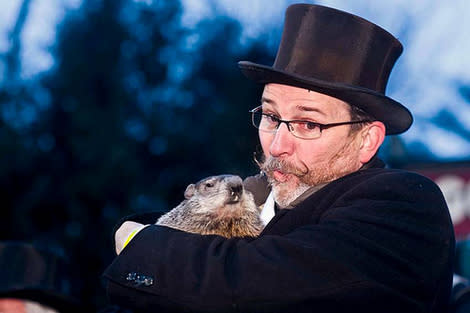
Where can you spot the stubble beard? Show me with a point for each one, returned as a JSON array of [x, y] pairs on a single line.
[[301, 178]]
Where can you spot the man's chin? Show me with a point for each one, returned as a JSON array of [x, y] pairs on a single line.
[[289, 190]]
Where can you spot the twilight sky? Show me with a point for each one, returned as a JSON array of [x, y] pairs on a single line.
[[426, 79]]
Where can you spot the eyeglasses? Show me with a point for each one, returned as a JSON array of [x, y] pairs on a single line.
[[299, 128]]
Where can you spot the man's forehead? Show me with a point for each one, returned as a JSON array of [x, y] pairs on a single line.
[[310, 107], [300, 99]]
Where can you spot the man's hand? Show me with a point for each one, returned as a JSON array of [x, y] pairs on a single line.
[[258, 186], [125, 233]]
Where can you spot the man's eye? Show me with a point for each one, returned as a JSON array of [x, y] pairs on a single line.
[[310, 125], [271, 118]]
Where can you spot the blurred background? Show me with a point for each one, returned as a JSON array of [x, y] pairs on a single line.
[[112, 107]]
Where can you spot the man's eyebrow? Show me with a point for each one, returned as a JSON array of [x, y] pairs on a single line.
[[304, 108], [300, 108], [267, 101]]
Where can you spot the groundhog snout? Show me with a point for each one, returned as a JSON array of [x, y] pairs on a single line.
[[234, 188]]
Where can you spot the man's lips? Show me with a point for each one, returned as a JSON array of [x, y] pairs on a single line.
[[280, 176]]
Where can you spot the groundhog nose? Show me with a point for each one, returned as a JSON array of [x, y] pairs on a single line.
[[235, 189], [235, 193]]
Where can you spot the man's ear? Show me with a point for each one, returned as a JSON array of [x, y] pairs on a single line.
[[372, 136], [189, 192]]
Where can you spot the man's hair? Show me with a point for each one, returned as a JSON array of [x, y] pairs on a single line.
[[35, 307], [358, 114]]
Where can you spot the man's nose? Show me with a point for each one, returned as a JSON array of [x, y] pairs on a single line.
[[283, 142]]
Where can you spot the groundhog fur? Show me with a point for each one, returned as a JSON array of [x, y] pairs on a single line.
[[217, 205]]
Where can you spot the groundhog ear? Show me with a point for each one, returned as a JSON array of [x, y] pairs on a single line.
[[189, 192]]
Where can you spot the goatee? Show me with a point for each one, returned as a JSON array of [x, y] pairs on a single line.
[[298, 179]]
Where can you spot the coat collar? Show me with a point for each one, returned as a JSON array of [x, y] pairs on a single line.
[[299, 203]]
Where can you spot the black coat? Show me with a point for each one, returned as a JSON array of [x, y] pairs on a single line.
[[377, 240]]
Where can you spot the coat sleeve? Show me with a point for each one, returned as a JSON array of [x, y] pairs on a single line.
[[370, 251]]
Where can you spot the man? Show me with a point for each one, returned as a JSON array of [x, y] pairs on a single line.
[[348, 235], [13, 305], [35, 280]]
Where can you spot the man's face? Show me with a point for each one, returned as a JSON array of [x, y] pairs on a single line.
[[12, 305], [292, 164]]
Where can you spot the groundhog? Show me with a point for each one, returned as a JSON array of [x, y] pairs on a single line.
[[217, 205]]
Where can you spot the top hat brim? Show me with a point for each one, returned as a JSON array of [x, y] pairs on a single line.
[[396, 118], [34, 273]]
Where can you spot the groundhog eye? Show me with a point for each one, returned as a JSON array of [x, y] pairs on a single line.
[[209, 185]]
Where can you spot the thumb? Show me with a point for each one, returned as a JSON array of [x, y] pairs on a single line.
[[121, 235]]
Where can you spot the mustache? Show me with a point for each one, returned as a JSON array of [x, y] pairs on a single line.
[[271, 164]]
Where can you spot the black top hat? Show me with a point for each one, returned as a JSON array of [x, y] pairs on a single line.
[[340, 55], [30, 273]]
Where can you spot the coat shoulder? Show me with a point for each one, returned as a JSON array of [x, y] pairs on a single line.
[[394, 182]]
